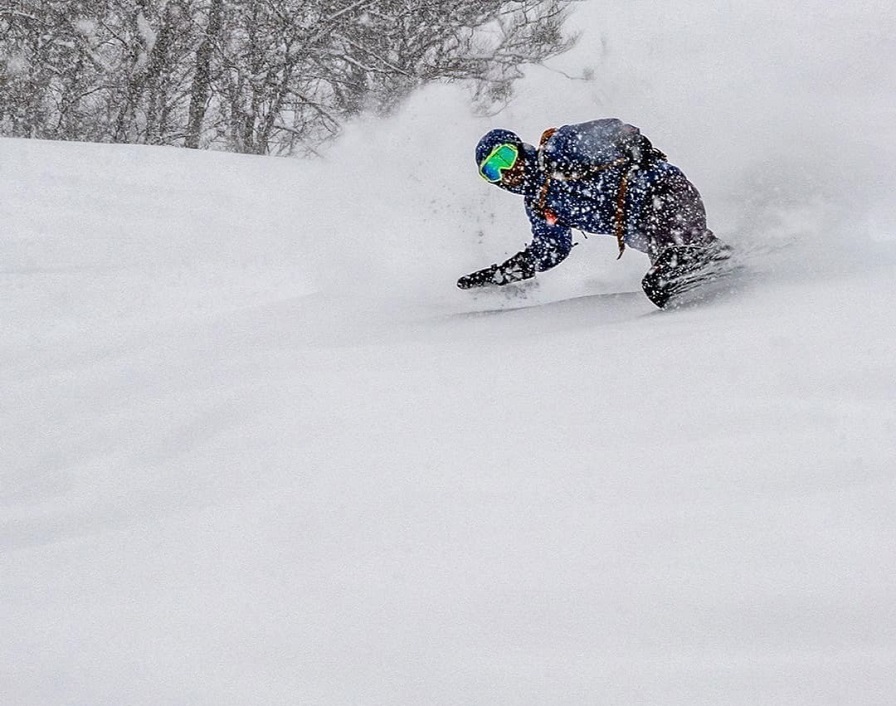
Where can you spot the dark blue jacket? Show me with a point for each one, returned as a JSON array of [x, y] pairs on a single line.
[[590, 205], [591, 177]]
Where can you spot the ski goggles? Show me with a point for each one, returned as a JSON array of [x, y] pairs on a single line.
[[499, 160]]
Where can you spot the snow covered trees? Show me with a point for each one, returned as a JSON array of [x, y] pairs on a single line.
[[262, 76]]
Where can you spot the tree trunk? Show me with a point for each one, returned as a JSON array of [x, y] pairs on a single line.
[[202, 79]]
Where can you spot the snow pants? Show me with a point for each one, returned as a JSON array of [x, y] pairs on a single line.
[[676, 216]]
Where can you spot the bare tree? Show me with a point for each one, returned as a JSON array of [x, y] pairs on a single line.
[[202, 75], [259, 76]]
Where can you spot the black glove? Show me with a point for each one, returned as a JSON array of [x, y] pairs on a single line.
[[519, 267], [480, 278]]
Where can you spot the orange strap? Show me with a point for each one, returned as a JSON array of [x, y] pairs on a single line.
[[620, 212]]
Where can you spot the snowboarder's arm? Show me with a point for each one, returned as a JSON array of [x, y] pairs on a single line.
[[551, 243], [549, 247]]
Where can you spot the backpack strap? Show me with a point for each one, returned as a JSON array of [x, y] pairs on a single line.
[[543, 192], [620, 210]]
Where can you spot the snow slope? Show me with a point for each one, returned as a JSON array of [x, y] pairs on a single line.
[[256, 448]]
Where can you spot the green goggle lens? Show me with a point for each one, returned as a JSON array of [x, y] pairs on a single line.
[[500, 159]]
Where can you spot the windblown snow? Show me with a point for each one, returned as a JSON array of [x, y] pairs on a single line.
[[256, 448]]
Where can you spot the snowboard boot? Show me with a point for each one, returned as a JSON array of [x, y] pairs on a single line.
[[680, 268]]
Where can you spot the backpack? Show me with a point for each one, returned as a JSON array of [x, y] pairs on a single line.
[[573, 152]]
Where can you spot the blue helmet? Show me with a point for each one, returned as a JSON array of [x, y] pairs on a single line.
[[493, 138], [528, 154]]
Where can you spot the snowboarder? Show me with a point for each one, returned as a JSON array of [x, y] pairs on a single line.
[[602, 177]]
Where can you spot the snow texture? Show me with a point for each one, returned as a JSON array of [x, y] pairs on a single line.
[[255, 447]]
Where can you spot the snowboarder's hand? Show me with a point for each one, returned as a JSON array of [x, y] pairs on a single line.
[[519, 267], [480, 278]]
